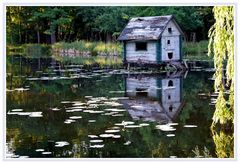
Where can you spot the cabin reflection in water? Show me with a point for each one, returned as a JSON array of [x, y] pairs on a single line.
[[154, 98]]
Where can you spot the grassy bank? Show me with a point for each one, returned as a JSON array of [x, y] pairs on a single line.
[[93, 48], [30, 50], [89, 53], [196, 51], [98, 61], [98, 53]]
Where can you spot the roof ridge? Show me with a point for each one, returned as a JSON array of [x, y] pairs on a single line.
[[153, 16]]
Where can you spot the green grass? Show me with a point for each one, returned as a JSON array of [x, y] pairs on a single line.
[[93, 47], [37, 50], [100, 61], [14, 49], [30, 50], [196, 51]]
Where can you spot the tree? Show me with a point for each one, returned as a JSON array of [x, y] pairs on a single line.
[[221, 44]]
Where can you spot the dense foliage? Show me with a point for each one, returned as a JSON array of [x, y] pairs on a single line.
[[222, 45], [48, 24]]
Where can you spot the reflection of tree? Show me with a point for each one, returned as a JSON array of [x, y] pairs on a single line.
[[224, 142], [196, 83]]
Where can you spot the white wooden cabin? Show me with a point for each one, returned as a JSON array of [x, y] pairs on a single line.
[[152, 40]]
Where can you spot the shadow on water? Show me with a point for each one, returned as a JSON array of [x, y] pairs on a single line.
[[62, 110]]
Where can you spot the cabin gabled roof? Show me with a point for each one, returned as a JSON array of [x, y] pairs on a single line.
[[146, 28]]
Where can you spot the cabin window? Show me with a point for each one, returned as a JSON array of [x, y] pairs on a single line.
[[141, 92], [168, 42], [169, 97], [170, 83], [170, 55], [170, 108], [141, 46], [169, 30]]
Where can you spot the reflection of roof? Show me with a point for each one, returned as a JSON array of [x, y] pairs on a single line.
[[145, 28], [149, 110]]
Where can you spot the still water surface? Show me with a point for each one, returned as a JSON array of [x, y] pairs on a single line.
[[63, 110]]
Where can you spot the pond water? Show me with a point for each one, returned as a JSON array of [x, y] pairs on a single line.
[[63, 110]]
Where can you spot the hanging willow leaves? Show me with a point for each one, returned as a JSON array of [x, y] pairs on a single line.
[[221, 44], [224, 143]]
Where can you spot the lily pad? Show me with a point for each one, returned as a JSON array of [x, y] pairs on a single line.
[[46, 152], [92, 136], [115, 110], [69, 121], [39, 150], [87, 97], [96, 141], [36, 114], [75, 117], [132, 126], [118, 115], [165, 128], [66, 102], [74, 110], [190, 126], [118, 98], [116, 136], [127, 143], [61, 143], [116, 91], [78, 104], [17, 110], [56, 109], [24, 113], [96, 146], [144, 124], [106, 135], [21, 89], [115, 104], [124, 123], [112, 131], [172, 124]]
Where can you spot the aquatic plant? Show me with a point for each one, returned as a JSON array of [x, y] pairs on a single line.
[[205, 152]]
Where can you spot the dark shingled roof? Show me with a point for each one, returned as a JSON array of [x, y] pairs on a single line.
[[145, 28]]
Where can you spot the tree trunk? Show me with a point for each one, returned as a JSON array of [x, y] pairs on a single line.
[[100, 38], [19, 28], [53, 37], [108, 37], [38, 35]]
